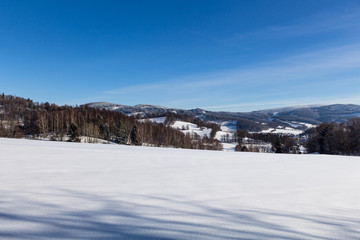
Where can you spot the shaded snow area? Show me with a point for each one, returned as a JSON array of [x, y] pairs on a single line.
[[58, 190]]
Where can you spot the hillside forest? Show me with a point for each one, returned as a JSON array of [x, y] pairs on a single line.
[[23, 118]]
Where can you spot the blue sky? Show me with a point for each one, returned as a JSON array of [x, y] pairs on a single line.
[[216, 55]]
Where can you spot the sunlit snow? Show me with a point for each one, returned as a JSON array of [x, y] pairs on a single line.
[[281, 130], [191, 128], [58, 190]]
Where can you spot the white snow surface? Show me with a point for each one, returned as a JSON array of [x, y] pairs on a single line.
[[191, 128], [58, 190], [229, 146], [286, 130], [221, 134]]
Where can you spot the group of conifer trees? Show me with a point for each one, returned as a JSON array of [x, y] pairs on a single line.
[[280, 143], [335, 138]]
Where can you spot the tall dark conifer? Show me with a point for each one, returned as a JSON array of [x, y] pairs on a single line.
[[73, 133], [134, 136]]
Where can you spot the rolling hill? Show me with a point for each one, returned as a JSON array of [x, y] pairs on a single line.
[[298, 117]]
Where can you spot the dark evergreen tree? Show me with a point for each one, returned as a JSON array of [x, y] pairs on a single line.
[[73, 133], [241, 134], [121, 134], [134, 136], [277, 145]]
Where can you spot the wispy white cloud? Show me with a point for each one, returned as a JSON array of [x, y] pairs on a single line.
[[323, 62], [270, 83], [324, 22], [304, 101], [260, 105], [271, 79]]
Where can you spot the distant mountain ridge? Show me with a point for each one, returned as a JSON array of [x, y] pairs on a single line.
[[253, 121], [145, 110]]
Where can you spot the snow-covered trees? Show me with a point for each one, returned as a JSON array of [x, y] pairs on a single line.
[[279, 143]]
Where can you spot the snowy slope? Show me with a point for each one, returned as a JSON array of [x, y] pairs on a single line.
[[227, 131], [57, 190], [283, 130], [191, 128], [311, 114], [184, 127]]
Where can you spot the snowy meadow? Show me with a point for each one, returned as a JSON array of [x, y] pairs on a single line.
[[58, 190]]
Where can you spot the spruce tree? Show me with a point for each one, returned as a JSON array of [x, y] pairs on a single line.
[[121, 134], [277, 145], [73, 133], [134, 137]]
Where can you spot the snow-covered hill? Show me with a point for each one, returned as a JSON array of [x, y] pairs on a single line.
[[57, 190], [228, 128], [295, 119]]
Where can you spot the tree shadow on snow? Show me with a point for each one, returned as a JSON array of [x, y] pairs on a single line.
[[90, 216]]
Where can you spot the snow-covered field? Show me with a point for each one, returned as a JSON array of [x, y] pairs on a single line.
[[58, 190]]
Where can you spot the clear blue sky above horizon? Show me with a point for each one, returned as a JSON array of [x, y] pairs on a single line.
[[216, 55]]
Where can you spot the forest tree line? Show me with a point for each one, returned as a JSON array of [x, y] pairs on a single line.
[[280, 143], [327, 138], [21, 117], [335, 138]]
